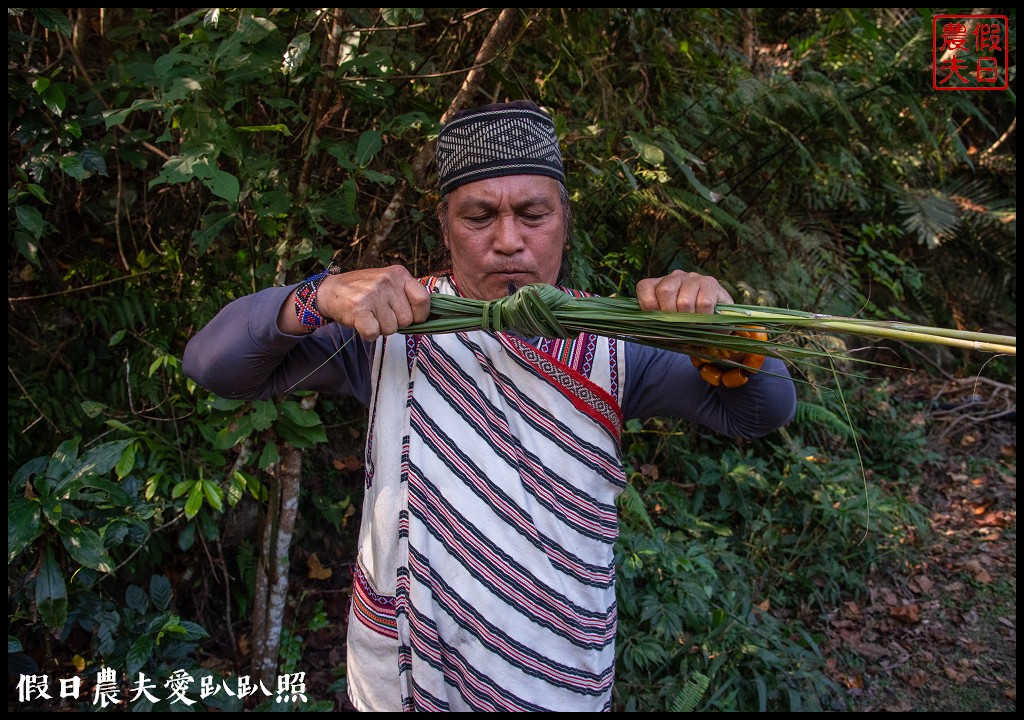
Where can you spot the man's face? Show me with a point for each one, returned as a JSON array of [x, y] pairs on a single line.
[[504, 229]]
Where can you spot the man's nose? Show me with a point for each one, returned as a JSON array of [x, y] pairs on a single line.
[[507, 236]]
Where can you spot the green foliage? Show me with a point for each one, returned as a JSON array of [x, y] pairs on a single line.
[[725, 549], [163, 162]]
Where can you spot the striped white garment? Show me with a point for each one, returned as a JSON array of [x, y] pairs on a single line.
[[485, 576]]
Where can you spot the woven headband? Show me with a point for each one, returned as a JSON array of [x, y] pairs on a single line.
[[516, 138]]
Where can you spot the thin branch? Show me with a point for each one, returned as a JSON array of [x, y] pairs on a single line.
[[79, 289], [1002, 138], [33, 402]]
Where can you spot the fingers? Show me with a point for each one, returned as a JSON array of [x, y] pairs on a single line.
[[374, 302], [681, 291]]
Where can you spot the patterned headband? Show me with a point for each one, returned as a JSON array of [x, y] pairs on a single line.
[[515, 138]]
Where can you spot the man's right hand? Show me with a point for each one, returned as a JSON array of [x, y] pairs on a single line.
[[374, 302]]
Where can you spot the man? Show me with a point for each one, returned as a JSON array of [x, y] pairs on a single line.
[[485, 574]]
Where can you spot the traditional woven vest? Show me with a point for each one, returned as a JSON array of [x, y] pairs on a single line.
[[485, 576]]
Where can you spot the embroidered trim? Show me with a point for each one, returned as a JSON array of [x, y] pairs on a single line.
[[376, 612]]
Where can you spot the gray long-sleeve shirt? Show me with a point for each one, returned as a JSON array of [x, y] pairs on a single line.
[[242, 354]]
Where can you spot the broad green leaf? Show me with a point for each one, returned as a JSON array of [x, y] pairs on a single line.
[[73, 167], [160, 592], [53, 20], [27, 246], [235, 490], [295, 53], [51, 592], [264, 413], [194, 501], [127, 462], [92, 408], [62, 459], [28, 471], [23, 525], [193, 631], [369, 144], [229, 437], [73, 128], [301, 437], [37, 192], [139, 654], [54, 99], [401, 16], [298, 415], [85, 546], [93, 163], [31, 220], [212, 227], [97, 461], [220, 403], [342, 153], [214, 495], [648, 150], [224, 185], [269, 456], [136, 598], [117, 117], [187, 537]]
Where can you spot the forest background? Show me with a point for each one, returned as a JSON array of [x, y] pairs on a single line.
[[164, 161]]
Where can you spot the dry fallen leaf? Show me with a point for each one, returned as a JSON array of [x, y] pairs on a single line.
[[980, 508], [349, 462], [316, 570], [650, 471], [917, 678], [869, 650], [921, 585], [977, 571], [959, 676], [909, 614]]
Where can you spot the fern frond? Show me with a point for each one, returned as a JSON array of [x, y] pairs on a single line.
[[821, 415], [692, 692]]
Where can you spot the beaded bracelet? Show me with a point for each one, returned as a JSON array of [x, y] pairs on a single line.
[[305, 300], [730, 376]]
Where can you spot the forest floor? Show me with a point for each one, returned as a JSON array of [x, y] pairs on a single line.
[[942, 636], [936, 637]]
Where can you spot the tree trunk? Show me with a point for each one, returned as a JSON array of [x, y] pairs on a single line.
[[271, 593]]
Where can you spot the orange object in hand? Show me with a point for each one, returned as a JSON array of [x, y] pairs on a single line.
[[731, 376]]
